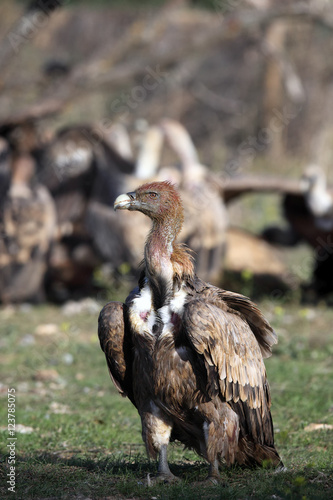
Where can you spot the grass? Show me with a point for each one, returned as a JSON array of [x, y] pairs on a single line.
[[86, 442]]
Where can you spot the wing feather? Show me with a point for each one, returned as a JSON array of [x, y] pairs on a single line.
[[243, 306], [232, 353], [228, 344], [116, 343]]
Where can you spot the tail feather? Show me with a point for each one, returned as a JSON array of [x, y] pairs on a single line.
[[253, 454]]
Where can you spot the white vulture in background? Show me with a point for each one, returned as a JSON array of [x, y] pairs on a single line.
[[310, 216], [308, 209], [317, 197]]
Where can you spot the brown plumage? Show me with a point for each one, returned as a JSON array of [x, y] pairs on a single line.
[[27, 228], [189, 355]]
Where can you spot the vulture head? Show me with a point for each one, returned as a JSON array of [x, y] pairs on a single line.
[[160, 201], [317, 197], [312, 178]]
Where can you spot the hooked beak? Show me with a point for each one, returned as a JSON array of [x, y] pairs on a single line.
[[125, 201]]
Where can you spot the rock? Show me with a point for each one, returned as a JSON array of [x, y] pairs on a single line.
[[59, 408], [318, 427], [47, 375], [47, 329], [68, 358], [27, 340], [87, 305], [23, 429]]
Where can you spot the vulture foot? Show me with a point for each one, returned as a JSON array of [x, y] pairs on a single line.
[[211, 480], [167, 478], [162, 478], [213, 474], [164, 474]]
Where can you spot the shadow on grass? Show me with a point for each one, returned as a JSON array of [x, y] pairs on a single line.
[[47, 476], [121, 465]]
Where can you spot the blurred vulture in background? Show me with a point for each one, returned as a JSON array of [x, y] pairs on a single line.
[[27, 228], [78, 166], [80, 169], [310, 216], [318, 199], [309, 213], [85, 169]]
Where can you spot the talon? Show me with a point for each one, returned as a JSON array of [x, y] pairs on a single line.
[[162, 478], [168, 478], [212, 479]]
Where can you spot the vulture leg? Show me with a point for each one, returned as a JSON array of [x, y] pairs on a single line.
[[213, 474], [156, 432], [164, 473], [221, 436]]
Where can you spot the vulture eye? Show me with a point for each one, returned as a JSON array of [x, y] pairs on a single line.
[[153, 195]]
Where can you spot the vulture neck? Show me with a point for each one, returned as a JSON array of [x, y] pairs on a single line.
[[23, 168], [166, 262]]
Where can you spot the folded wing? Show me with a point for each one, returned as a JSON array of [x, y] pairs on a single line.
[[235, 371], [116, 343]]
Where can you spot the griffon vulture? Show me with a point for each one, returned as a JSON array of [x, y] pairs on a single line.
[[27, 228], [308, 210], [318, 199], [187, 354], [310, 216]]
